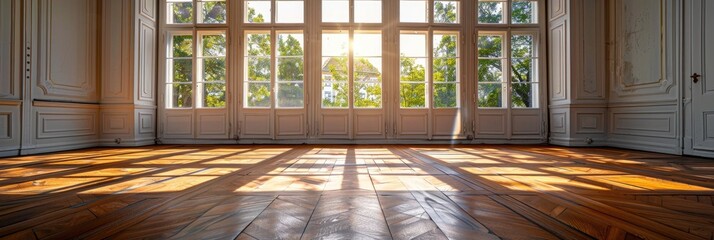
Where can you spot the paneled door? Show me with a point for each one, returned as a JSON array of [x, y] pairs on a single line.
[[699, 87]]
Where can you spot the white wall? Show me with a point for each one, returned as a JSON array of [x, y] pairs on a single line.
[[10, 76], [58, 91], [644, 67]]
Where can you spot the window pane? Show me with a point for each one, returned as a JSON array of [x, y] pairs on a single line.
[[180, 95], [368, 11], [335, 89], [491, 12], [214, 69], [335, 11], [368, 69], [258, 95], [290, 68], [413, 11], [446, 95], [257, 11], [213, 12], [290, 11], [214, 45], [335, 94], [412, 69], [524, 95], [290, 95], [522, 70], [368, 95], [258, 69], [446, 12], [445, 45], [523, 12], [522, 46], [412, 65], [290, 44], [180, 12], [181, 70], [412, 95], [182, 46], [490, 46], [490, 95], [368, 44], [335, 44], [490, 70], [446, 70], [413, 45], [214, 95], [258, 45], [290, 57]]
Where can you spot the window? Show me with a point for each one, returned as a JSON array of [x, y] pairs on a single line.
[[212, 65], [524, 81], [356, 11], [335, 78], [291, 70], [286, 11], [196, 56], [206, 12], [496, 12], [445, 65], [351, 69], [367, 70], [180, 71], [507, 68], [417, 11], [414, 74], [273, 67], [210, 70], [363, 69], [258, 69]]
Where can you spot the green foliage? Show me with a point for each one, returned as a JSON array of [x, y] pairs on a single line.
[[412, 94], [490, 71], [291, 70], [445, 12], [182, 12], [337, 69], [490, 12], [214, 12], [522, 12], [445, 70], [182, 71], [367, 84]]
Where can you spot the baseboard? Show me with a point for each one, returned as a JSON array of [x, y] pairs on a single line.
[[56, 148], [9, 153], [361, 141], [127, 142], [578, 142], [645, 146]]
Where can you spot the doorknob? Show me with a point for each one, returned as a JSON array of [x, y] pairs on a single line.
[[695, 77]]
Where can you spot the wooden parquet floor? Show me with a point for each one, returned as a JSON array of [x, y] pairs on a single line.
[[356, 192]]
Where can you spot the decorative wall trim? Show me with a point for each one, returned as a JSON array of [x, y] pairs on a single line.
[[63, 125], [146, 60], [557, 9], [64, 74]]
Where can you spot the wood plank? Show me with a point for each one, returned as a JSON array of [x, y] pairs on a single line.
[[356, 191]]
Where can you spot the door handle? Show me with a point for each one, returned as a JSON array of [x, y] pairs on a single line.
[[695, 77]]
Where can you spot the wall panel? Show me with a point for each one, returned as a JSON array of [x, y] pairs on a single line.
[[9, 45], [9, 127], [145, 68], [67, 49]]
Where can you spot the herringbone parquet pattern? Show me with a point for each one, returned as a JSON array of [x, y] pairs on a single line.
[[356, 192]]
